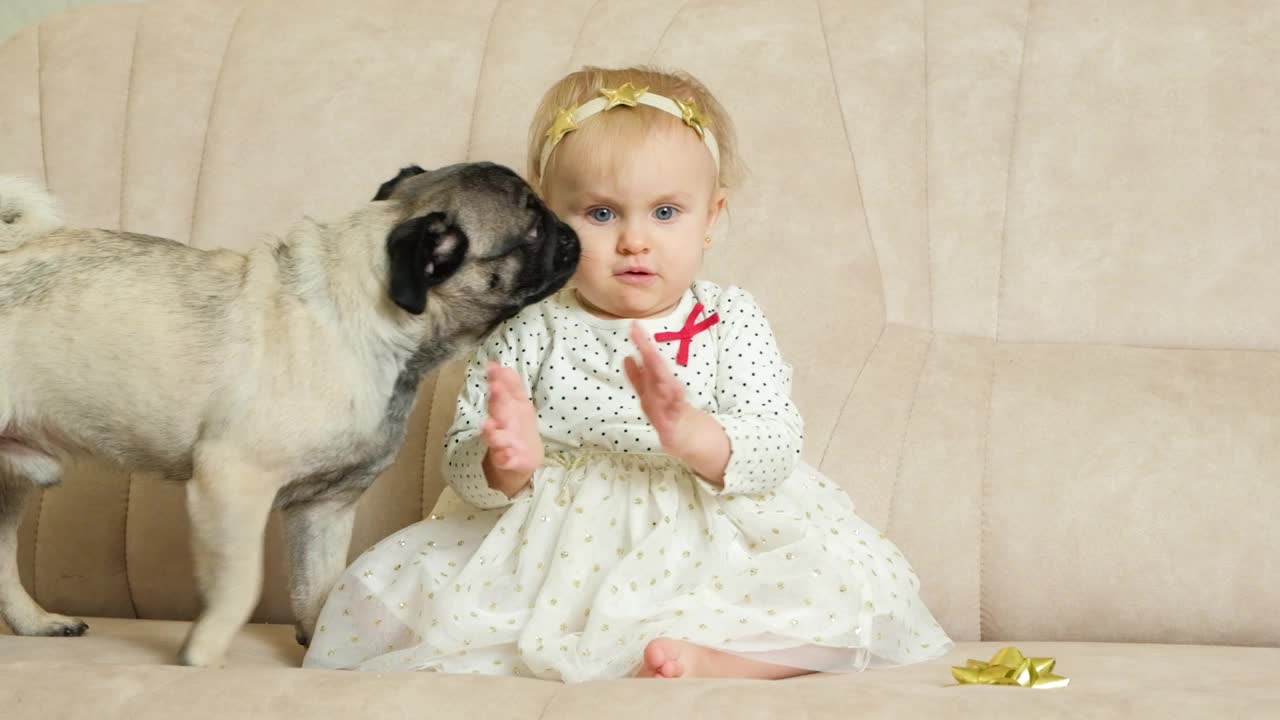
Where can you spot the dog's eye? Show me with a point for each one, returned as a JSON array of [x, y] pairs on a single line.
[[493, 281]]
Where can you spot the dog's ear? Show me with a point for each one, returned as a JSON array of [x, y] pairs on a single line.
[[388, 187], [423, 252]]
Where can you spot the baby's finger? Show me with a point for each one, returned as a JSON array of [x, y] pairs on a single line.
[[501, 459], [497, 390], [648, 354], [498, 413], [653, 360], [513, 457], [506, 401], [510, 382], [497, 375], [641, 379], [501, 439], [499, 398], [492, 373], [637, 334], [671, 389], [642, 342], [662, 370], [635, 373]]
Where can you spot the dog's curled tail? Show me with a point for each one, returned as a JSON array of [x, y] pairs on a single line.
[[27, 211]]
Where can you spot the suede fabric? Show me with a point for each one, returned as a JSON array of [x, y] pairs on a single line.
[[1022, 257], [124, 673]]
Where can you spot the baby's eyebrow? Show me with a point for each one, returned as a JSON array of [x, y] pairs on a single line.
[[592, 198], [676, 197], [589, 197]]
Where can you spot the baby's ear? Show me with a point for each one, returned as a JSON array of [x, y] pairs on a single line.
[[719, 200]]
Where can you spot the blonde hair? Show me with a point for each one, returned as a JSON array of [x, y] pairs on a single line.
[[578, 87]]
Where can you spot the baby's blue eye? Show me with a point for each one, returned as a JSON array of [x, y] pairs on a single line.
[[601, 214], [666, 212]]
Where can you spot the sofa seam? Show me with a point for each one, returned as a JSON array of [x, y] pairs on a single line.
[[984, 484], [35, 544], [44, 166], [208, 122], [128, 580], [128, 106], [853, 161], [670, 24], [44, 145], [848, 397], [426, 448], [984, 616], [866, 222], [484, 54], [555, 694], [906, 431], [582, 29], [1095, 344], [928, 203], [1008, 178], [124, 156]]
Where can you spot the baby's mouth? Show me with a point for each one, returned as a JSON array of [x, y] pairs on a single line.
[[636, 275]]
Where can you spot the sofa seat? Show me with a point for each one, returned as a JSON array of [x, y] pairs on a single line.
[[123, 669]]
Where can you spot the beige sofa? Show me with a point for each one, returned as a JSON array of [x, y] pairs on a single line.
[[1025, 258]]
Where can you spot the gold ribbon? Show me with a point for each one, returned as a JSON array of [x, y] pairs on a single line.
[[1009, 667]]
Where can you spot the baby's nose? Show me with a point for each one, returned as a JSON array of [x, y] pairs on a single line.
[[632, 240]]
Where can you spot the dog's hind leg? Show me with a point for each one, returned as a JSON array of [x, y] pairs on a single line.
[[20, 472], [228, 501], [319, 534]]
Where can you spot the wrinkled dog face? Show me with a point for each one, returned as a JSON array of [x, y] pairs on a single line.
[[476, 244]]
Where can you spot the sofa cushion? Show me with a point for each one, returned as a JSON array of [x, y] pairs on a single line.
[[117, 641], [1076, 492], [120, 670]]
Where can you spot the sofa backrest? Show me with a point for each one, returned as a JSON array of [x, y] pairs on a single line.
[[938, 180]]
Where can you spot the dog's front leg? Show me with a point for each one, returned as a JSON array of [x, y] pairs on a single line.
[[319, 534], [229, 501]]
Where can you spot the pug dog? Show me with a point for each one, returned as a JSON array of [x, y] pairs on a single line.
[[281, 378]]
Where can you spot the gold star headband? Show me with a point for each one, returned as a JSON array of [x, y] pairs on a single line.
[[571, 118]]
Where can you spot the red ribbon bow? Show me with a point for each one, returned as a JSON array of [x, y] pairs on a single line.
[[685, 334]]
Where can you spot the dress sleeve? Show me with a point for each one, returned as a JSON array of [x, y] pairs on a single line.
[[510, 346], [753, 396]]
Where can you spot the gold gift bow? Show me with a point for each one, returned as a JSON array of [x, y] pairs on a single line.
[[1009, 667]]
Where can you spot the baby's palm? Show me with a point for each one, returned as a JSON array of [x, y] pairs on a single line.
[[511, 429], [662, 395]]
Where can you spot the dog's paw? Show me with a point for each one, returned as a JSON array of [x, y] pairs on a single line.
[[202, 654], [63, 626], [190, 658]]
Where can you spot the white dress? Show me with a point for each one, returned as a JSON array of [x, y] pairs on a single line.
[[614, 543]]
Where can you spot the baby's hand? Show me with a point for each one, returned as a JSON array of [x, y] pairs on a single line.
[[662, 395], [511, 432]]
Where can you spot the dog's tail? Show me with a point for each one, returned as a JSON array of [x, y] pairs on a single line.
[[27, 211]]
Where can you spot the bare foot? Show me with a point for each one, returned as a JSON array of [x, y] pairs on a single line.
[[667, 658]]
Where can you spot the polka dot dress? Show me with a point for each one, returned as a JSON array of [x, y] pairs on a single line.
[[614, 543]]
